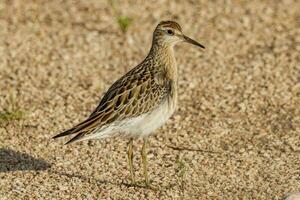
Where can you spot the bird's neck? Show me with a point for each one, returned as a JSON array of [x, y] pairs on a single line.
[[164, 56]]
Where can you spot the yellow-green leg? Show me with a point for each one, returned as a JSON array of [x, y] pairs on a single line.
[[130, 160], [144, 159]]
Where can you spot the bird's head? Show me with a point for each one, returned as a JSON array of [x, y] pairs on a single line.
[[169, 33]]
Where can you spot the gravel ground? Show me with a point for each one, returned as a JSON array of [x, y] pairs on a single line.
[[235, 134]]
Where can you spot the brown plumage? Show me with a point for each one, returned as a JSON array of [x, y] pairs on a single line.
[[128, 97], [140, 101], [170, 24]]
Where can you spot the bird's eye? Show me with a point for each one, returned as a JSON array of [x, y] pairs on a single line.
[[170, 32]]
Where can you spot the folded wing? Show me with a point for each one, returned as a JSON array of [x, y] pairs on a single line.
[[136, 93]]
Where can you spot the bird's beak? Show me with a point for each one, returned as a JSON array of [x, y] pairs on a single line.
[[191, 41]]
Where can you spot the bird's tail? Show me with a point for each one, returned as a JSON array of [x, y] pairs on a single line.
[[67, 132], [79, 134], [80, 130]]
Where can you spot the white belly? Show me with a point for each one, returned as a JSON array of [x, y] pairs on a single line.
[[145, 124], [136, 127]]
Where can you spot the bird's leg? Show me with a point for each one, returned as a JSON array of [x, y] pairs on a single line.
[[130, 160], [144, 159]]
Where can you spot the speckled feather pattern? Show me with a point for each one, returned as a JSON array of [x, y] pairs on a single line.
[[149, 88]]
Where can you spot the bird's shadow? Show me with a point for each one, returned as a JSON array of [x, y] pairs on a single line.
[[11, 161]]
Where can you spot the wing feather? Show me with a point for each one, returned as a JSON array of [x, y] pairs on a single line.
[[135, 93]]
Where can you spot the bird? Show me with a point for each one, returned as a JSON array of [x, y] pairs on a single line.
[[140, 101]]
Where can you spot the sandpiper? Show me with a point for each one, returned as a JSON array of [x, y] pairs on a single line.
[[140, 101]]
